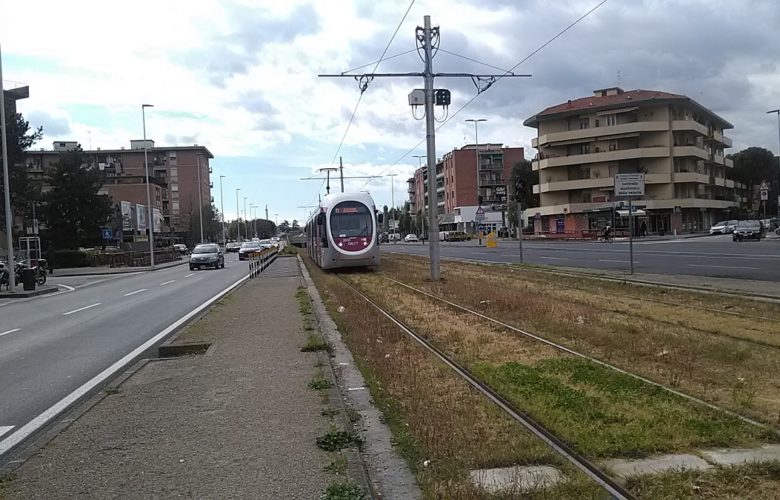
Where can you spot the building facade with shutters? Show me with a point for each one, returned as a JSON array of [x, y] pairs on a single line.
[[677, 144]]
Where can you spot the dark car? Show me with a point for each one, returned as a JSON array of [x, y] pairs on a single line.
[[248, 247], [207, 255], [747, 230]]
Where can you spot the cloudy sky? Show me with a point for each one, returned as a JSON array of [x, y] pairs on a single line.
[[240, 77]]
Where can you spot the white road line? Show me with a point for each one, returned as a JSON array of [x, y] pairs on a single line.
[[39, 421], [6, 333], [188, 275], [133, 293], [81, 309], [5, 428], [555, 258], [69, 288], [722, 267], [618, 261], [162, 284]]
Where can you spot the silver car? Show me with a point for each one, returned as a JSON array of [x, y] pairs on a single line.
[[207, 255]]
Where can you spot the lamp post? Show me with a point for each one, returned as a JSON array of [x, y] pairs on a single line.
[[777, 112], [200, 201], [246, 222], [392, 200], [238, 218], [9, 237], [150, 223], [252, 206], [222, 209], [419, 162], [476, 156]]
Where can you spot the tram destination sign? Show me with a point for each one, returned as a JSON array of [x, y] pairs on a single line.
[[629, 184]]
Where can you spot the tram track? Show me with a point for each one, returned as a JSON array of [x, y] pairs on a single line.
[[580, 355], [591, 470]]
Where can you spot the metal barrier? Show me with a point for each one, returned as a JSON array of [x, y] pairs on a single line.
[[259, 261]]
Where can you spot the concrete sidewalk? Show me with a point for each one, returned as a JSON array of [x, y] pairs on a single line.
[[237, 422]]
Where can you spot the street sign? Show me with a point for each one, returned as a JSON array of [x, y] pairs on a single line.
[[107, 234], [764, 195], [481, 228], [629, 184], [480, 215]]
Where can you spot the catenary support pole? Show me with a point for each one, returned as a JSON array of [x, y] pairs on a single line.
[[631, 234], [9, 237], [520, 230], [433, 225]]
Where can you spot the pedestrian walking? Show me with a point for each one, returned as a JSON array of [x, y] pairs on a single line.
[[643, 229]]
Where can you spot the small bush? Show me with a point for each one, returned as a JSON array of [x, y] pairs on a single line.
[[343, 491], [71, 258], [320, 385], [338, 440]]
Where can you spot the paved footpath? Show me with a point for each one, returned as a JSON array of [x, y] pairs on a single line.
[[237, 422]]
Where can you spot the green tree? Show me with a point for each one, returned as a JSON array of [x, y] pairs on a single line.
[[212, 227], [522, 176], [295, 226], [752, 166], [24, 192], [73, 211], [284, 227]]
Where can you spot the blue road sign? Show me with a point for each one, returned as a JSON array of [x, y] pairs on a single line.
[[107, 234], [481, 228]]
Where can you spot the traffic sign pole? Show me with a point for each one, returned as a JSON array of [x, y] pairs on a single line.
[[520, 230]]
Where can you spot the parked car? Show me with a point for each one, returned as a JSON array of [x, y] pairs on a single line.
[[394, 237], [207, 255], [411, 238], [248, 247], [748, 230], [458, 236], [724, 227], [267, 243], [232, 246], [181, 248]]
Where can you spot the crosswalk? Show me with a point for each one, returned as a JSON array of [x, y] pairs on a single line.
[[5, 429]]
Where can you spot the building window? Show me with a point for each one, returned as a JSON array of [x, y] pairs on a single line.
[[175, 205], [584, 123], [611, 120], [584, 149], [174, 188]]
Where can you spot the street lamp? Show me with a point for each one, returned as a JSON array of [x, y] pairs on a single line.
[[9, 236], [222, 209], [238, 218], [422, 225], [200, 201], [150, 227], [476, 156], [777, 112], [246, 221]]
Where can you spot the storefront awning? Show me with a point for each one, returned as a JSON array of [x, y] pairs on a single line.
[[638, 212]]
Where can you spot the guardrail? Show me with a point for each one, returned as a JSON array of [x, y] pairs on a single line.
[[259, 261]]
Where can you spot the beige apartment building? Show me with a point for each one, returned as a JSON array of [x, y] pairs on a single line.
[[676, 142]]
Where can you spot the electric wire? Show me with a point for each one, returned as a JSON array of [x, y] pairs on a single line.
[[381, 60], [529, 56], [506, 71]]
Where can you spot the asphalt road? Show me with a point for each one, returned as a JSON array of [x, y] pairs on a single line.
[[51, 346], [711, 256]]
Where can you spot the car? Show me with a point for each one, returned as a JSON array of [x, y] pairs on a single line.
[[748, 230], [207, 255], [181, 248], [458, 236], [411, 238], [393, 237], [720, 227], [232, 246], [248, 247]]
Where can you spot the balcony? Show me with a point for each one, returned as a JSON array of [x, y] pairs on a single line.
[[719, 138], [679, 125], [603, 157], [593, 183], [691, 177], [680, 151], [589, 133]]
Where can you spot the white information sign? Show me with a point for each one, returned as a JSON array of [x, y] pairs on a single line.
[[629, 184]]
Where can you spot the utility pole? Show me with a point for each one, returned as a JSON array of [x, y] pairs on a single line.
[[246, 222], [426, 37], [9, 237], [222, 209], [238, 218], [148, 196], [341, 173], [200, 202], [392, 200], [266, 213], [777, 112], [476, 154]]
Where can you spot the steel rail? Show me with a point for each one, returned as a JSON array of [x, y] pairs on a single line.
[[585, 356], [609, 484]]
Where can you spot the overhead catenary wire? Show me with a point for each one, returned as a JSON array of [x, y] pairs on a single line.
[[468, 103]]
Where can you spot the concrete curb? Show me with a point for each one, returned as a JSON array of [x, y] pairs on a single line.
[[27, 294], [113, 270], [387, 471]]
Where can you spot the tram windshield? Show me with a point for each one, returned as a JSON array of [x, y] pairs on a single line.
[[349, 219]]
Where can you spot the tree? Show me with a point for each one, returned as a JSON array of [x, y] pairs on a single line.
[[284, 227], [523, 177], [24, 192], [73, 211], [295, 226], [752, 166], [212, 227]]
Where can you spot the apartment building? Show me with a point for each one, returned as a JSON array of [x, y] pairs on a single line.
[[457, 179], [676, 142], [174, 178]]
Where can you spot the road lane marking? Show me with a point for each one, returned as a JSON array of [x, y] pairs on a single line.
[[81, 309], [69, 288], [722, 267], [618, 261], [163, 284], [33, 425], [555, 258], [188, 275], [4, 429], [9, 331], [133, 293]]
